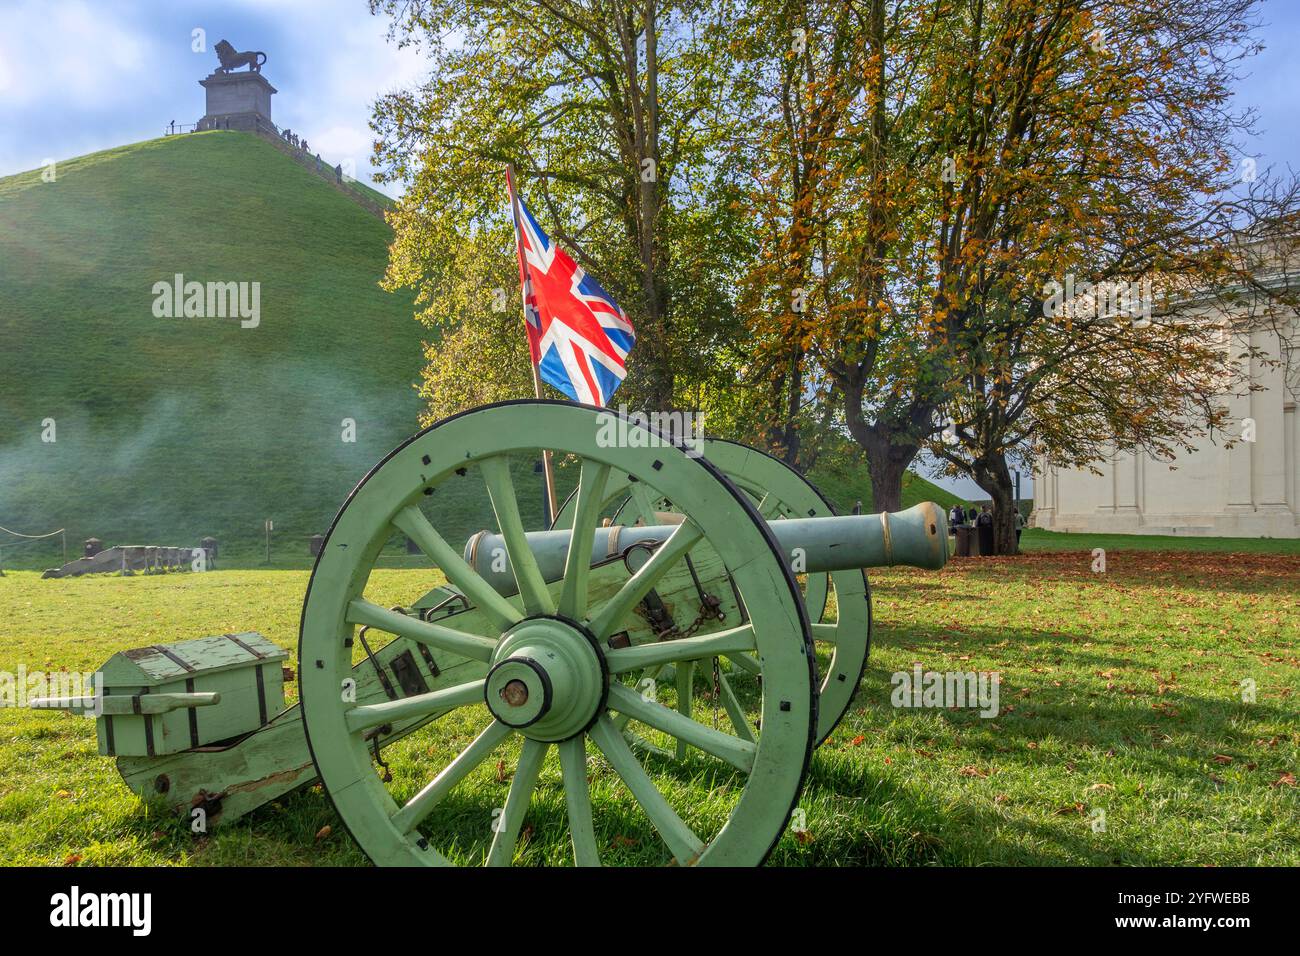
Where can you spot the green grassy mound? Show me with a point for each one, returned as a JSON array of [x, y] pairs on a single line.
[[171, 428]]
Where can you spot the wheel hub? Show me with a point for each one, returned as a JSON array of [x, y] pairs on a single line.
[[548, 679]]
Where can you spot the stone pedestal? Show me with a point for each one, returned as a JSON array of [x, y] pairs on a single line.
[[237, 101]]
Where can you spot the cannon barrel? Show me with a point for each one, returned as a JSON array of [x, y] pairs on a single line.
[[916, 537]]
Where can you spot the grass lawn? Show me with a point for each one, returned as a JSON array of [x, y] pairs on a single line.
[[1120, 696], [1035, 539]]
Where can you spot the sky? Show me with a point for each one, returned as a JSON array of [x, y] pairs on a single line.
[[78, 76]]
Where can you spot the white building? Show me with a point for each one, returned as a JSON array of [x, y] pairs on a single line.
[[1250, 490]]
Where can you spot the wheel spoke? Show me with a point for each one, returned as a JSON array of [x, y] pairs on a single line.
[[735, 712], [739, 753], [421, 705], [623, 659], [412, 522], [825, 632], [502, 852], [611, 614], [643, 503], [361, 611], [747, 662], [577, 565], [501, 489], [422, 804], [651, 674], [684, 675], [684, 845], [577, 795]]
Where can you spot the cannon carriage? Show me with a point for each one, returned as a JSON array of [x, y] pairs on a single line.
[[685, 617]]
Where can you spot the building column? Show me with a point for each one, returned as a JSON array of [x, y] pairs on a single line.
[[1291, 425], [1126, 483], [1140, 482], [1270, 447], [1043, 513], [1239, 494]]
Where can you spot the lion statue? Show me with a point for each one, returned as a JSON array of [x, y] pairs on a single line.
[[233, 60]]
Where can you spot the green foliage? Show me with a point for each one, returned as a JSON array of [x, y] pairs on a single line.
[[618, 153], [170, 429]]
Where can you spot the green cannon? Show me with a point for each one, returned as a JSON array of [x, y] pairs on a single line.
[[722, 583]]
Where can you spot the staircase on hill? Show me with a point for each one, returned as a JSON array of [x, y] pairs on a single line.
[[267, 130], [331, 174], [275, 136]]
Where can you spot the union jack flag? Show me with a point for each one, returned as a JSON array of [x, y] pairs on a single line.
[[578, 336]]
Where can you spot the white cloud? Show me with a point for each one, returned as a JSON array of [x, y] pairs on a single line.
[[65, 51], [80, 75], [342, 143]]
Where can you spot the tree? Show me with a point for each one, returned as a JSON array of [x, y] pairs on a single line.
[[1095, 147], [838, 303], [612, 115], [937, 165]]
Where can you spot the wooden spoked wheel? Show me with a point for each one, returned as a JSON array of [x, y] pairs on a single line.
[[554, 674], [778, 492]]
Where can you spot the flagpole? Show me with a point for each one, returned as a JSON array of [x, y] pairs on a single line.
[[549, 500]]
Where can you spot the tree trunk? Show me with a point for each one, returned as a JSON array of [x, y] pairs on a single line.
[[886, 466], [887, 457], [994, 476]]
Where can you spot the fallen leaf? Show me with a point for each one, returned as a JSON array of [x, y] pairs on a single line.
[[323, 832], [1286, 780], [1222, 758], [972, 772], [72, 859], [1098, 786]]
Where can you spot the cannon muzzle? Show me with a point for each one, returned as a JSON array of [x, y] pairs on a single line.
[[916, 537]]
